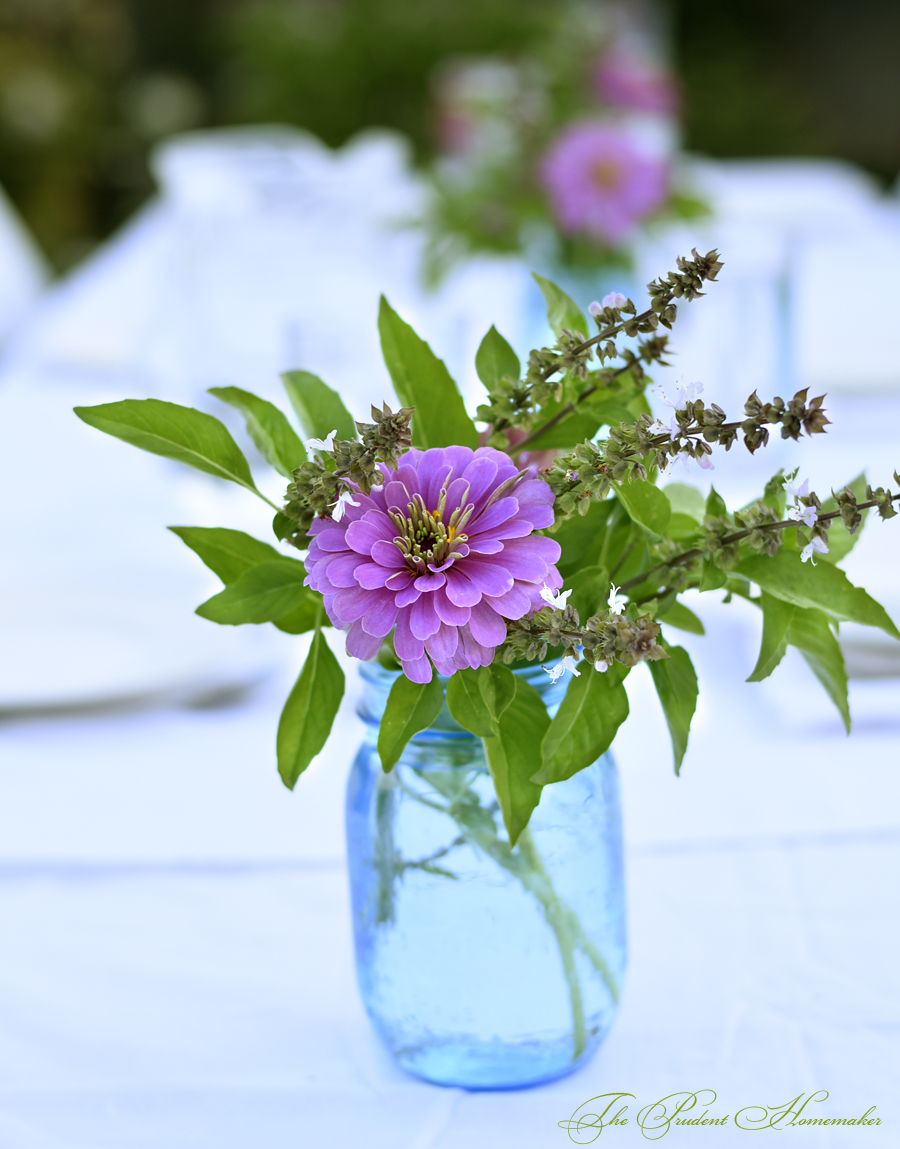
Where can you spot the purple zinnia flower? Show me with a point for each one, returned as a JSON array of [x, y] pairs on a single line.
[[445, 551], [600, 182]]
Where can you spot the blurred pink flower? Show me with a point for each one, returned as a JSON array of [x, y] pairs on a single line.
[[600, 182], [626, 80]]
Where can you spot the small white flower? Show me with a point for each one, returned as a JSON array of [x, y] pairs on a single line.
[[614, 299], [705, 462], [806, 515], [566, 663], [683, 396], [344, 498], [794, 492], [617, 602], [815, 547], [326, 444], [602, 665], [595, 308], [557, 601]]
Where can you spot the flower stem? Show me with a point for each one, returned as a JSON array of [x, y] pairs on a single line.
[[526, 865]]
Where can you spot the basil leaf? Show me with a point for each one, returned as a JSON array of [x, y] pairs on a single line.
[[594, 708], [840, 541], [467, 705], [777, 616], [676, 686], [411, 707], [227, 553], [514, 755], [319, 408], [686, 500], [175, 432], [421, 380], [309, 712], [272, 435], [711, 576], [497, 684], [715, 504], [646, 504], [811, 634], [264, 593], [561, 310], [678, 615], [496, 360], [823, 587]]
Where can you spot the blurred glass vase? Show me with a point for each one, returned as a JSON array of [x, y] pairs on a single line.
[[480, 966]]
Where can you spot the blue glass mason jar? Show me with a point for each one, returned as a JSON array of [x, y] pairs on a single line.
[[481, 966]]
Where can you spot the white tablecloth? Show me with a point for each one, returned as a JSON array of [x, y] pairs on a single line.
[[176, 958]]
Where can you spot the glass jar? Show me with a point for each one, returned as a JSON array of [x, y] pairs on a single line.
[[481, 966]]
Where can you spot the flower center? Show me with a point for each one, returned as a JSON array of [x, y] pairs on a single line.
[[605, 174], [423, 538]]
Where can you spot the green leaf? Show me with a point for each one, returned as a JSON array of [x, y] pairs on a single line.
[[421, 380], [467, 705], [682, 527], [411, 707], [594, 708], [495, 360], [590, 588], [569, 432], [774, 495], [715, 504], [610, 411], [840, 541], [272, 435], [303, 617], [814, 638], [561, 311], [711, 576], [582, 536], [227, 553], [646, 504], [581, 424], [686, 500], [678, 615], [309, 712], [514, 755], [676, 686], [777, 616], [497, 684], [175, 432], [823, 587], [319, 408], [285, 528], [264, 593]]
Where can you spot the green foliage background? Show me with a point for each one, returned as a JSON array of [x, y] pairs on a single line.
[[86, 86]]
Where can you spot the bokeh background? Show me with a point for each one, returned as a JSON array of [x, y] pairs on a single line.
[[176, 961], [87, 86]]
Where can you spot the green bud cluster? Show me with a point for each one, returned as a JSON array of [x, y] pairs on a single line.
[[519, 403], [389, 437], [351, 464], [606, 637], [883, 499], [684, 283], [632, 448]]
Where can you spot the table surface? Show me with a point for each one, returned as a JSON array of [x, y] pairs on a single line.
[[177, 965]]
